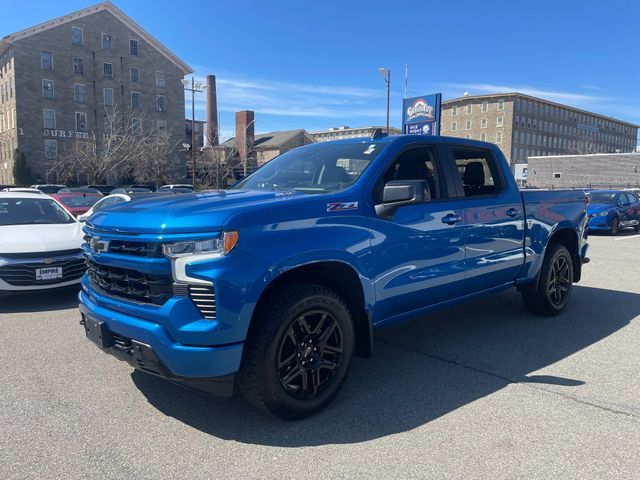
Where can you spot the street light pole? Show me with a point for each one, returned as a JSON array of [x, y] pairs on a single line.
[[386, 74], [246, 153], [195, 88]]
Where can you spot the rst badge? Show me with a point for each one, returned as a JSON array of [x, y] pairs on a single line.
[[340, 206]]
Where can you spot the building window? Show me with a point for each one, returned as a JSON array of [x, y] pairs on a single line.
[[501, 104], [81, 122], [136, 126], [485, 107], [469, 109], [106, 41], [107, 70], [162, 127], [483, 137], [454, 126], [500, 122], [47, 89], [50, 149], [46, 60], [133, 47], [160, 103], [78, 65], [107, 94], [467, 125], [135, 100], [134, 74], [160, 79], [454, 111], [79, 93], [77, 36], [49, 118], [483, 123], [499, 137]]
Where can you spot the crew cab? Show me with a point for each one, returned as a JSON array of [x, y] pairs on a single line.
[[274, 284]]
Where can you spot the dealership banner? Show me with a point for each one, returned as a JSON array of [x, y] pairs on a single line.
[[421, 115]]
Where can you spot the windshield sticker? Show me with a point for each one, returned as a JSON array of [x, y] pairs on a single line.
[[370, 149], [340, 206]]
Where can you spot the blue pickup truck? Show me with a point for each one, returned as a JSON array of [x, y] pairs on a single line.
[[273, 285]]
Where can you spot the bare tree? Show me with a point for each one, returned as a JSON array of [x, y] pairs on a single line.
[[216, 165], [129, 146], [585, 146]]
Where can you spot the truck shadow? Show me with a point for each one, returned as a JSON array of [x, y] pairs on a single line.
[[420, 370], [40, 301]]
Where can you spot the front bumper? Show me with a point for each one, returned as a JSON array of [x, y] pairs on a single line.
[[148, 347], [18, 273]]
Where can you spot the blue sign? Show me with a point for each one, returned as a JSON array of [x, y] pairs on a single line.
[[421, 115]]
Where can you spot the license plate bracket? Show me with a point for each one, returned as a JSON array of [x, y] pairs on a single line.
[[98, 332], [48, 273]]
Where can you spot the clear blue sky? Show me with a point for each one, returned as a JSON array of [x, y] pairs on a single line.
[[313, 65]]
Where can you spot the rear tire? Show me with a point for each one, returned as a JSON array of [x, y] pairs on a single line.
[[298, 351], [555, 284]]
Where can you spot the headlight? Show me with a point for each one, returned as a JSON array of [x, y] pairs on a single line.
[[213, 246]]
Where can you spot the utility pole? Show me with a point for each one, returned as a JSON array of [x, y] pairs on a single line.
[[386, 74], [195, 88]]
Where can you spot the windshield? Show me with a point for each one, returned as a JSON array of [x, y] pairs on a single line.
[[28, 211], [318, 168], [602, 197], [79, 201]]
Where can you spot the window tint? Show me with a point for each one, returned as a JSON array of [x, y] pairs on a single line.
[[414, 164], [478, 172]]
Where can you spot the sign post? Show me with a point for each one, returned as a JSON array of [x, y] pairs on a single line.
[[421, 115]]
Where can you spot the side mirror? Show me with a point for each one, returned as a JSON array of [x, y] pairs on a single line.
[[397, 193]]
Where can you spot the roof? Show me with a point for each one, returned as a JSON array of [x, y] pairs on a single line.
[[269, 140], [538, 99], [23, 195], [349, 129], [99, 7]]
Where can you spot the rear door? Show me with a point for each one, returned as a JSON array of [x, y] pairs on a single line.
[[419, 250], [493, 218]]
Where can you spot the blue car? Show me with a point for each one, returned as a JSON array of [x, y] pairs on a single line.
[[612, 210]]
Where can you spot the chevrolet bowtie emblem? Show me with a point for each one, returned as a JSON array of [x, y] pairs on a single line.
[[98, 245]]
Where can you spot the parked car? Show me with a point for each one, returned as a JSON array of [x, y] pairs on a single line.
[[103, 189], [181, 186], [127, 190], [274, 284], [79, 190], [49, 187], [613, 210], [151, 188], [23, 190], [39, 243], [77, 203], [116, 199]]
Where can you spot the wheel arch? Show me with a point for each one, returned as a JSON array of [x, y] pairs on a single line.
[[568, 237]]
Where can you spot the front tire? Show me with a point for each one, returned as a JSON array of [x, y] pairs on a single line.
[[555, 285], [614, 228], [298, 351]]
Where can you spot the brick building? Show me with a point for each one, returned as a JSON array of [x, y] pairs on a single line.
[[59, 78], [198, 127], [524, 126], [339, 133]]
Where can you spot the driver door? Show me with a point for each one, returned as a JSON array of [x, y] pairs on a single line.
[[419, 256]]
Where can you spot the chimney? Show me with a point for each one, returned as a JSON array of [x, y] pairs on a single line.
[[245, 136], [212, 112]]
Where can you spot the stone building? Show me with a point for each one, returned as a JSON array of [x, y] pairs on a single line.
[[198, 127], [610, 170], [340, 133], [59, 78], [266, 146], [524, 126]]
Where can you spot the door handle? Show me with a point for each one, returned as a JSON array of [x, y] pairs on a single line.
[[451, 219], [512, 212]]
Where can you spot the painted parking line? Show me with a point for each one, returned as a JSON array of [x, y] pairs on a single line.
[[627, 238]]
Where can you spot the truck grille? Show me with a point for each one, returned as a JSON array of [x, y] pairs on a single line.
[[139, 249], [204, 298], [130, 284], [24, 274]]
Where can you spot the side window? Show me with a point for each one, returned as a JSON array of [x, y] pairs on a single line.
[[414, 164], [478, 172]]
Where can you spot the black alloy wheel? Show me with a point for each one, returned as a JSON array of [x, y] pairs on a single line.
[[551, 293], [614, 228], [560, 280], [310, 354]]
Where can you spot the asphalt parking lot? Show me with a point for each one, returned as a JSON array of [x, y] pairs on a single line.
[[485, 390]]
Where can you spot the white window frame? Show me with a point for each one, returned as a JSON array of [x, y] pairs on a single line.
[[164, 128], [454, 126], [137, 54], [160, 82], [44, 117], [468, 124], [86, 126], [81, 35], [500, 122], [104, 97], [53, 88], [131, 69], [483, 137], [139, 107], [42, 60], [164, 101], [84, 92], [103, 70], [102, 40], [469, 109], [485, 107], [483, 122], [454, 111], [139, 121], [498, 137], [49, 141], [81, 63], [500, 104]]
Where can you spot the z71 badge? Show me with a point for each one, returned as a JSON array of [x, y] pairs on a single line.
[[340, 206]]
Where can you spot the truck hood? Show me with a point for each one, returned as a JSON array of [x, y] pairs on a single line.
[[184, 213], [40, 238], [594, 208]]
